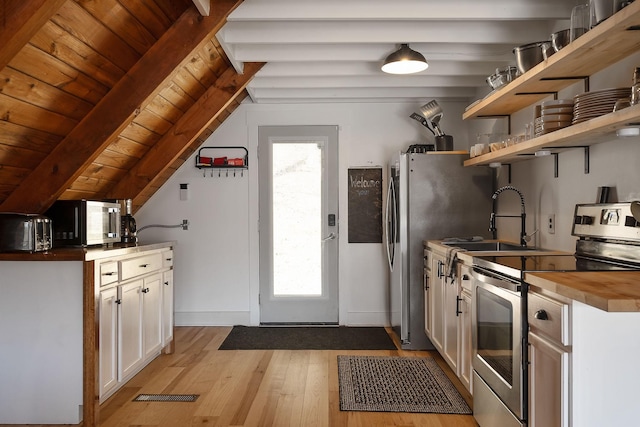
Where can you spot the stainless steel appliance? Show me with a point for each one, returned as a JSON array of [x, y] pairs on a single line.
[[609, 239], [128, 223], [430, 196], [85, 222], [24, 232]]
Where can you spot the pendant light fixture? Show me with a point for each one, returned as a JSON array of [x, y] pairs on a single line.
[[404, 61]]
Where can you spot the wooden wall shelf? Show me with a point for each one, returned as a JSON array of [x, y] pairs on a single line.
[[587, 133], [609, 42]]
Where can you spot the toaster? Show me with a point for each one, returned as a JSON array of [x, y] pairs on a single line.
[[25, 232]]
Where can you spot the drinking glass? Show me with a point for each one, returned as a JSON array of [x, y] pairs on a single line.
[[580, 20]]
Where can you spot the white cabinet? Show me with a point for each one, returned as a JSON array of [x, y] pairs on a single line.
[[442, 300], [549, 352], [448, 301], [436, 301], [464, 327], [548, 383], [135, 314], [450, 325], [152, 316], [108, 307], [167, 307], [130, 328]]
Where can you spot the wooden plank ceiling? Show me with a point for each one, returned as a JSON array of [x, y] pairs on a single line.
[[105, 99]]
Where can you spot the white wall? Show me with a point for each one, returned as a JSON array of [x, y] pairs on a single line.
[[216, 269]]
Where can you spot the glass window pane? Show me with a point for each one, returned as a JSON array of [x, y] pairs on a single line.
[[297, 219]]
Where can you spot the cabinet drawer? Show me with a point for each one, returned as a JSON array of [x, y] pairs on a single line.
[[167, 259], [133, 267], [108, 272], [549, 317]]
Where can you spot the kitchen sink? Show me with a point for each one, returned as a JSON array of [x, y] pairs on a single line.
[[489, 246]]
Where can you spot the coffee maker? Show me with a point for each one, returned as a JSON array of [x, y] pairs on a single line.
[[128, 224]]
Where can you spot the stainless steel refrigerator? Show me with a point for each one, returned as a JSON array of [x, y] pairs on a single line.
[[431, 196]]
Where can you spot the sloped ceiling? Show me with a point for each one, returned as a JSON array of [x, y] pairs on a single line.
[[107, 98]]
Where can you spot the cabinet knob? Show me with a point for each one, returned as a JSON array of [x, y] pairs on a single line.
[[110, 273], [144, 265], [166, 283], [118, 301], [145, 290], [541, 315], [465, 277]]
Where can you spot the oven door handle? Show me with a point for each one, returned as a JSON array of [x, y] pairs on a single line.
[[503, 283]]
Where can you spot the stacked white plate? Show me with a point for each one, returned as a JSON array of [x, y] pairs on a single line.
[[554, 115], [593, 104]]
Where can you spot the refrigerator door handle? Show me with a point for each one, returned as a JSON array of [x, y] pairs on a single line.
[[390, 240]]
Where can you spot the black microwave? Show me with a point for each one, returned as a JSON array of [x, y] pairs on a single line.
[[85, 222]]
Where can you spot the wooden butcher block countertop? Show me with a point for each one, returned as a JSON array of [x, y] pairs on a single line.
[[614, 291]]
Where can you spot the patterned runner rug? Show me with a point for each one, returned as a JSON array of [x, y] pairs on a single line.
[[397, 384]]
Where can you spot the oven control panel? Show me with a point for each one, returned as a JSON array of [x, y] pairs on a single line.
[[606, 221]]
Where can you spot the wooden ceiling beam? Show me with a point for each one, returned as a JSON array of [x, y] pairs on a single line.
[[20, 21], [68, 160], [165, 152]]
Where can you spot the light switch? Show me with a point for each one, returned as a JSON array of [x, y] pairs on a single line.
[[184, 191]]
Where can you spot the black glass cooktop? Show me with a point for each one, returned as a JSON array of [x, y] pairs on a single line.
[[514, 265]]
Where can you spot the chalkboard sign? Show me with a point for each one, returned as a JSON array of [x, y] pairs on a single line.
[[365, 205]]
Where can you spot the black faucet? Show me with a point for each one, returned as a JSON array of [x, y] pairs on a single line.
[[523, 215]]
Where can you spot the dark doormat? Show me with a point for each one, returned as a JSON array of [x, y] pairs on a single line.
[[308, 338], [397, 384]]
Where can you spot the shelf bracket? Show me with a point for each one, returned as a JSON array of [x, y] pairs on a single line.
[[587, 158], [584, 78]]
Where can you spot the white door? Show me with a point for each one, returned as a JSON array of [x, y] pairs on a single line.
[[298, 224]]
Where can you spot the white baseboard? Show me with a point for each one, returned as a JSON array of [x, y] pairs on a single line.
[[230, 318], [212, 318], [366, 319]]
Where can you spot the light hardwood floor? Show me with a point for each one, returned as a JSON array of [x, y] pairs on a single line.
[[253, 388]]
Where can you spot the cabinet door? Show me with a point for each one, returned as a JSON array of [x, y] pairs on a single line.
[[167, 307], [108, 353], [436, 300], [548, 384], [464, 367], [450, 322], [130, 328], [152, 315]]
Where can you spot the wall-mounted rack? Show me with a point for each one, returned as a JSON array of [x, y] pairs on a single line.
[[235, 158]]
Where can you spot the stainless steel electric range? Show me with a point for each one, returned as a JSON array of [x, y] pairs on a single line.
[[608, 240]]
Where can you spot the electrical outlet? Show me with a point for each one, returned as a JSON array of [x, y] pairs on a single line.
[[551, 223], [185, 224]]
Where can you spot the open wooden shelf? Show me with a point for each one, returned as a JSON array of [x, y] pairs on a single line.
[[587, 133], [609, 42]]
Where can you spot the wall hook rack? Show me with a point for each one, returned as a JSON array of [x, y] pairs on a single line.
[[223, 162]]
